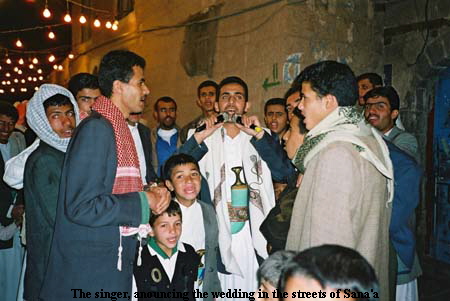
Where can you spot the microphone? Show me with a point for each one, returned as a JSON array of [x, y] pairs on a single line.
[[224, 117], [252, 126], [220, 118]]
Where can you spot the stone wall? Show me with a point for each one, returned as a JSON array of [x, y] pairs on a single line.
[[265, 42]]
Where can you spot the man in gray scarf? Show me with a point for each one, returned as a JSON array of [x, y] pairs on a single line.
[[52, 114]]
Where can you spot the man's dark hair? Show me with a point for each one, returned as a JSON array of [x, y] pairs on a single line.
[[301, 122], [172, 210], [9, 110], [177, 160], [57, 100], [275, 101], [389, 92], [331, 77], [292, 90], [207, 83], [82, 81], [233, 80], [373, 78], [117, 65], [333, 266], [165, 99]]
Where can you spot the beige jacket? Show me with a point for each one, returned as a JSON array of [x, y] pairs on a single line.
[[343, 200]]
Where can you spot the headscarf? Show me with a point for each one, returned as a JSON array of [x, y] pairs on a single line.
[[37, 119]]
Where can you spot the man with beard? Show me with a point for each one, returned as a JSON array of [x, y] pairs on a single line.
[[225, 146], [206, 93], [165, 137], [52, 114], [367, 82], [381, 111]]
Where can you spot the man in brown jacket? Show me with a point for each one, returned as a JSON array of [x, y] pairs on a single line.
[[345, 194]]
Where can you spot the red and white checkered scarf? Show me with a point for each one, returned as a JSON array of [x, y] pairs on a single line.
[[128, 176]]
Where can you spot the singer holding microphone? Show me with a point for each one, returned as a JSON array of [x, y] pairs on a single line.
[[239, 181]]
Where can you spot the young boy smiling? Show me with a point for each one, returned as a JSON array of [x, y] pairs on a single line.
[[200, 228], [169, 267]]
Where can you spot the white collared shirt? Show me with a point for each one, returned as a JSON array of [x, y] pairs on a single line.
[[168, 263], [193, 227], [140, 151]]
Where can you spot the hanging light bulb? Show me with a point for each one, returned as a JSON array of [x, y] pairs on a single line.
[[16, 80], [8, 74], [41, 77], [21, 61], [55, 67], [8, 82], [13, 90], [60, 67], [46, 13], [35, 61], [23, 81], [19, 43], [82, 19], [97, 22], [16, 69], [115, 25], [51, 58], [51, 35], [19, 72], [24, 89], [36, 88], [8, 61], [2, 91], [3, 83], [39, 71], [108, 24], [30, 78], [31, 66], [67, 18], [35, 79], [71, 56]]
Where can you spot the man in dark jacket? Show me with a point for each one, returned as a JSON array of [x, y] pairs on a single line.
[[101, 202], [51, 115]]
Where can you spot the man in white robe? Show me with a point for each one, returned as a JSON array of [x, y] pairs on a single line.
[[227, 146]]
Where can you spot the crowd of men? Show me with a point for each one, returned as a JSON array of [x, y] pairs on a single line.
[[99, 203]]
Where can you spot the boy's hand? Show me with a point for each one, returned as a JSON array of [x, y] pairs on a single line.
[[158, 199], [211, 127]]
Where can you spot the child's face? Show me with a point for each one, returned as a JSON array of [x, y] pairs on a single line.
[[185, 181], [167, 231]]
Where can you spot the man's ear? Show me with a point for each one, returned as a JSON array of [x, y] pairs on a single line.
[[199, 104], [117, 87], [155, 115], [169, 185], [216, 106], [331, 102], [394, 114], [247, 106]]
